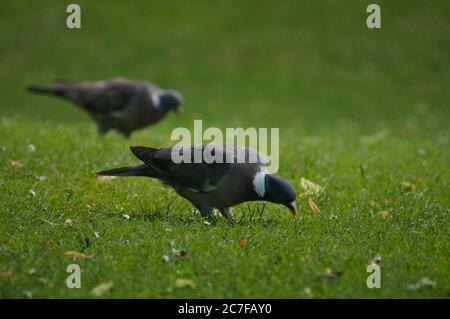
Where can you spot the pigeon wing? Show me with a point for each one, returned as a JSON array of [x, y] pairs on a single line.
[[199, 177], [107, 97]]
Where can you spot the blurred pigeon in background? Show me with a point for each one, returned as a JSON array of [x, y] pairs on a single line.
[[121, 104], [220, 184]]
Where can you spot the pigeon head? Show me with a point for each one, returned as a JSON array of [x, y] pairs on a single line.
[[276, 190], [171, 101]]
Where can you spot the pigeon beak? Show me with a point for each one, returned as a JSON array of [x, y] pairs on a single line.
[[179, 111], [293, 208]]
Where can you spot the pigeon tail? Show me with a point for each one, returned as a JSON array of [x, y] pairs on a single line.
[[45, 90], [146, 154], [141, 170], [143, 152]]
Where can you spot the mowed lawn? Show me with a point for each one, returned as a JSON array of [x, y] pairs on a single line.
[[362, 113]]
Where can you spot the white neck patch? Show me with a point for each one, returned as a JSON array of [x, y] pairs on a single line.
[[156, 100], [259, 183]]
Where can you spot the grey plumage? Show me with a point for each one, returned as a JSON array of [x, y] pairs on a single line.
[[215, 185], [121, 104]]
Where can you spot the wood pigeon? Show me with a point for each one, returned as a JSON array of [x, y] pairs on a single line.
[[236, 175], [121, 104]]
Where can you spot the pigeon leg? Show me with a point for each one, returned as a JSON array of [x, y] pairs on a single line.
[[205, 211], [227, 213]]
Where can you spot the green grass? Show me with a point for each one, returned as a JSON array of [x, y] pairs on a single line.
[[313, 70]]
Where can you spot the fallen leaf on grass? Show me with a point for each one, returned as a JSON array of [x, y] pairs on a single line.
[[16, 164], [32, 193], [6, 274], [242, 243], [101, 289], [385, 202], [91, 206], [407, 186], [384, 214], [183, 283], [421, 180], [126, 216], [309, 187], [313, 206], [422, 283], [72, 253], [105, 179], [68, 222]]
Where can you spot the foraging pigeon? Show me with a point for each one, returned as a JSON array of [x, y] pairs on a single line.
[[225, 175], [121, 104]]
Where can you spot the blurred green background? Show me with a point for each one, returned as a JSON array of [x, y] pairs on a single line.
[[309, 65], [363, 113]]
